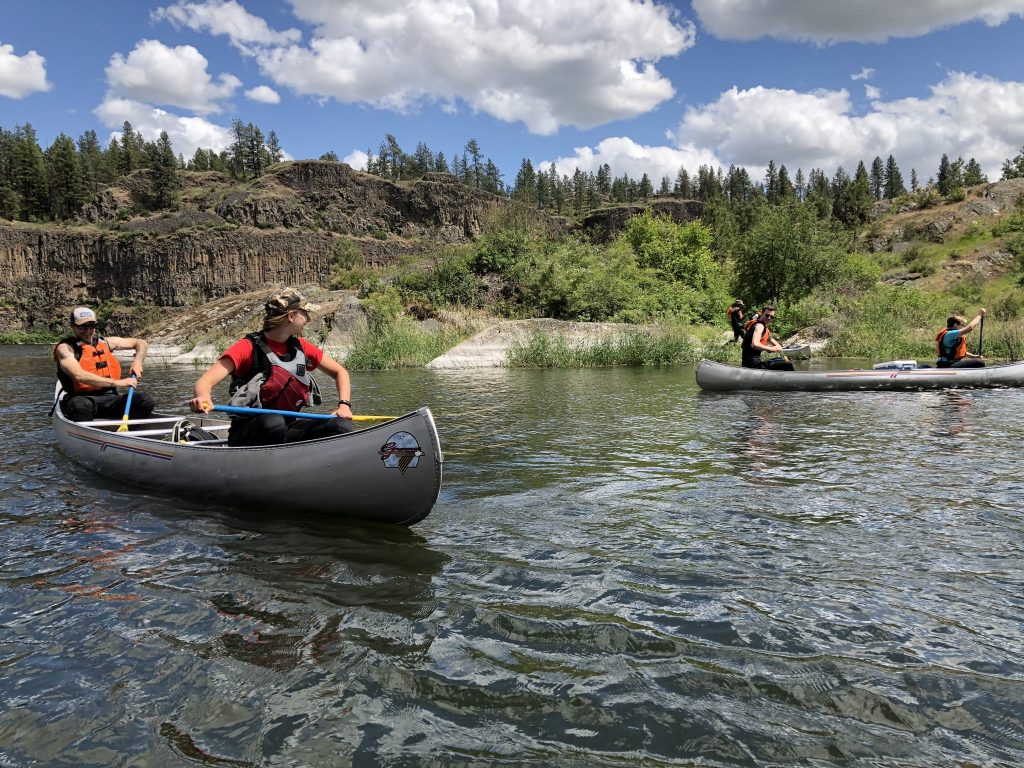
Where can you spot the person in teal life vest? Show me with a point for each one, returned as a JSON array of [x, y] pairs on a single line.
[[89, 373], [735, 314], [272, 369], [951, 346], [757, 338]]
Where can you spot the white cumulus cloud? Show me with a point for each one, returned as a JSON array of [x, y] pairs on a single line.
[[821, 21], [543, 64], [159, 74], [866, 73], [625, 156], [225, 18], [264, 94], [965, 114], [186, 133], [357, 159], [21, 75]]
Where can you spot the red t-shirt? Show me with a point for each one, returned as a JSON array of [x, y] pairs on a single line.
[[240, 353]]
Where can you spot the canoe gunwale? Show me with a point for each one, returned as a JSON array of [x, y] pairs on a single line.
[[718, 377]]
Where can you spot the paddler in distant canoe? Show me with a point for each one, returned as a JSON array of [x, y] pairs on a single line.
[[757, 338], [951, 346]]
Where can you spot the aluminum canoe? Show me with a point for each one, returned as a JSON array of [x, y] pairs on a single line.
[[717, 377], [388, 473]]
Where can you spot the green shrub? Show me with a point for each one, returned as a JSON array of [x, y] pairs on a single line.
[[1007, 307], [668, 346], [448, 281], [30, 337], [502, 250], [392, 340], [957, 195]]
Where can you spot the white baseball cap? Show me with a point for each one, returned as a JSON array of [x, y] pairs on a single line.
[[81, 315]]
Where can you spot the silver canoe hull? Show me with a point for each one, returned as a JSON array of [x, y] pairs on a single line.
[[389, 473], [716, 377]]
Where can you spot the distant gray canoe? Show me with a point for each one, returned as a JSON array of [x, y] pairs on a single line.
[[798, 352], [388, 473], [717, 377]]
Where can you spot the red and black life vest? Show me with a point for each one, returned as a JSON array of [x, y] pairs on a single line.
[[287, 383], [95, 358], [948, 354]]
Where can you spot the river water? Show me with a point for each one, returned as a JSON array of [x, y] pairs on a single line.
[[619, 571]]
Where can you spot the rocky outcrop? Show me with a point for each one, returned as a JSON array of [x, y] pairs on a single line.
[[226, 238], [602, 225]]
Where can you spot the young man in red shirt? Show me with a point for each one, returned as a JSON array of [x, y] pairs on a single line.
[[272, 369]]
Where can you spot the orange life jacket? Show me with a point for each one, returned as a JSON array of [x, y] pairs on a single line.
[[958, 351], [95, 358], [748, 352]]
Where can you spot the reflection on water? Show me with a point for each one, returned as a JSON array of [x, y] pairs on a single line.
[[620, 571]]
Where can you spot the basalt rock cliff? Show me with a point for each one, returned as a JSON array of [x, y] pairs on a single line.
[[223, 237]]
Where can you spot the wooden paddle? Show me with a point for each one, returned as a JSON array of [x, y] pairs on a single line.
[[127, 407], [292, 414]]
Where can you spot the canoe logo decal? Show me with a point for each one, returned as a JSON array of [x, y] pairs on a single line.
[[402, 451]]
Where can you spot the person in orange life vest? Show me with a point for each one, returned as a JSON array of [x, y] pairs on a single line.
[[951, 346], [90, 374], [735, 313], [757, 339], [275, 363]]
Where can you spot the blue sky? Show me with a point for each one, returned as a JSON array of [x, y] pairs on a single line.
[[643, 86]]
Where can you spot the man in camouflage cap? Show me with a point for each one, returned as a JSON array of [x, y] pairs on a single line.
[[272, 369]]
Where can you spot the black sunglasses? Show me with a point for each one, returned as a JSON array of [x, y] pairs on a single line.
[[87, 326]]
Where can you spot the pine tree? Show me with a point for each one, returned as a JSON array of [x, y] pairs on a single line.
[[475, 167], [786, 191], [64, 178], [524, 188], [973, 175], [913, 180], [491, 181], [10, 202], [1013, 167], [166, 172], [238, 149], [131, 156], [800, 187], [877, 177], [666, 187], [274, 151], [942, 181], [819, 193], [893, 180], [29, 175], [603, 182], [90, 156], [682, 185], [646, 188], [771, 183]]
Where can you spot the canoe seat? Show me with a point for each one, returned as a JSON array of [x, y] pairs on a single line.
[[184, 431]]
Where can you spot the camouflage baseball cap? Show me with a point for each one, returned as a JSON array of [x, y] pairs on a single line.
[[287, 300]]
